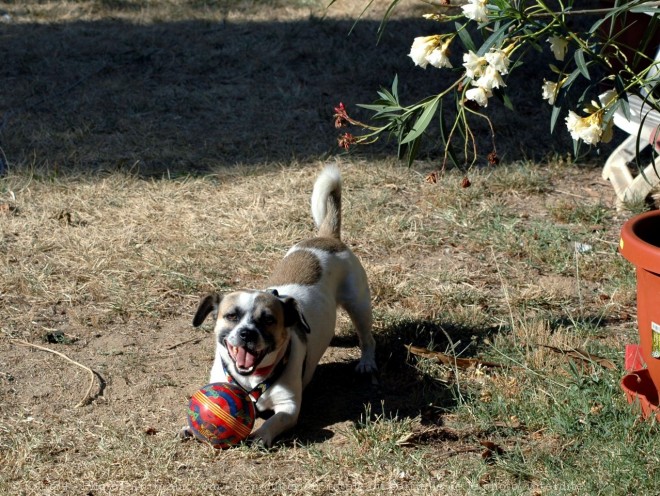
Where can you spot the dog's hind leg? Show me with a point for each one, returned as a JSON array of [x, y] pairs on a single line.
[[356, 300], [361, 319]]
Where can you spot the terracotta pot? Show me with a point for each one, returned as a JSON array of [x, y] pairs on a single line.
[[640, 244]]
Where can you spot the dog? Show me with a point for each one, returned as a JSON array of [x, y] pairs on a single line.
[[270, 341]]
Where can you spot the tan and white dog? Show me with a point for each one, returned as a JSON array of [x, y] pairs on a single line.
[[270, 342]]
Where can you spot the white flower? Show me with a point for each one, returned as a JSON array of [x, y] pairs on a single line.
[[439, 56], [490, 79], [550, 92], [559, 46], [474, 65], [591, 134], [475, 10], [588, 129], [421, 48], [499, 60], [479, 95]]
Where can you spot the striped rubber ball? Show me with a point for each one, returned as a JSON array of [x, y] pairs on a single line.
[[221, 414]]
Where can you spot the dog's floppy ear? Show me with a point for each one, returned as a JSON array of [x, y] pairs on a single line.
[[292, 314], [209, 304]]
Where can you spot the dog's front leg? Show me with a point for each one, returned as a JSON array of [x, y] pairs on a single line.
[[284, 418]]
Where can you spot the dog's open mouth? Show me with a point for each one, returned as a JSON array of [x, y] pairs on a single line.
[[246, 361]]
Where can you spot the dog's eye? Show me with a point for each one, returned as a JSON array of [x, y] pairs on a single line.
[[268, 320], [231, 317]]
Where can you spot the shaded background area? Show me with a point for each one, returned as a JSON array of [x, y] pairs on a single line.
[[178, 92]]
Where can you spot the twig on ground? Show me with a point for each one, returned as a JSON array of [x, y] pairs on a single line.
[[192, 340], [87, 396], [568, 193], [463, 363], [583, 356]]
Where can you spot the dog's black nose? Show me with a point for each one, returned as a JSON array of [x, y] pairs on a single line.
[[248, 335]]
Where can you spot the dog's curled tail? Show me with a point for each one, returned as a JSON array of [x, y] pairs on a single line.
[[326, 202]]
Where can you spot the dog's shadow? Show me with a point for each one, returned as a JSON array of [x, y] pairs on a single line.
[[338, 394]]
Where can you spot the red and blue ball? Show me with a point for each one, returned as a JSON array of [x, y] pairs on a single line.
[[221, 414]]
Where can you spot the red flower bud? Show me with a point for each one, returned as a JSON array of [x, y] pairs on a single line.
[[340, 115], [346, 140]]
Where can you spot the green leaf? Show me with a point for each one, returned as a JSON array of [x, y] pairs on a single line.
[[646, 43], [576, 148], [380, 110], [465, 37], [581, 63], [495, 38], [643, 9], [596, 26], [378, 107], [507, 102], [386, 17], [609, 113], [422, 122], [412, 150], [625, 105], [395, 87], [359, 16], [386, 96], [556, 111], [620, 85], [571, 78], [401, 129]]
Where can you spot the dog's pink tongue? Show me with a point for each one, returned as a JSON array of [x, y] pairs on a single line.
[[244, 359]]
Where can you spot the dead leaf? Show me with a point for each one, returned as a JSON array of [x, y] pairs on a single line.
[[7, 209], [486, 396], [431, 177], [462, 363], [465, 183], [64, 217], [492, 450], [151, 431], [583, 356]]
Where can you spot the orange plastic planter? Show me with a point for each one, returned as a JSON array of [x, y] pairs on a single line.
[[640, 244]]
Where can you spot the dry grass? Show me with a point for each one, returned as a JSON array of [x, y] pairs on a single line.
[[117, 264], [159, 152]]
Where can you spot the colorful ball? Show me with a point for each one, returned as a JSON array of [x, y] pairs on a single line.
[[221, 414]]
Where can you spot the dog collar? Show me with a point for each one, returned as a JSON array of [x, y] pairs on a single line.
[[277, 369]]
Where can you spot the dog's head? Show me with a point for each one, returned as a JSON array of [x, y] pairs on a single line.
[[252, 327]]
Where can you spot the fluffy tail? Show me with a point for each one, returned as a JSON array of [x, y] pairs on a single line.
[[326, 202]]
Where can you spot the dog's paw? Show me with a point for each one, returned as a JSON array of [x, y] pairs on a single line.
[[264, 443], [366, 366], [261, 439]]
